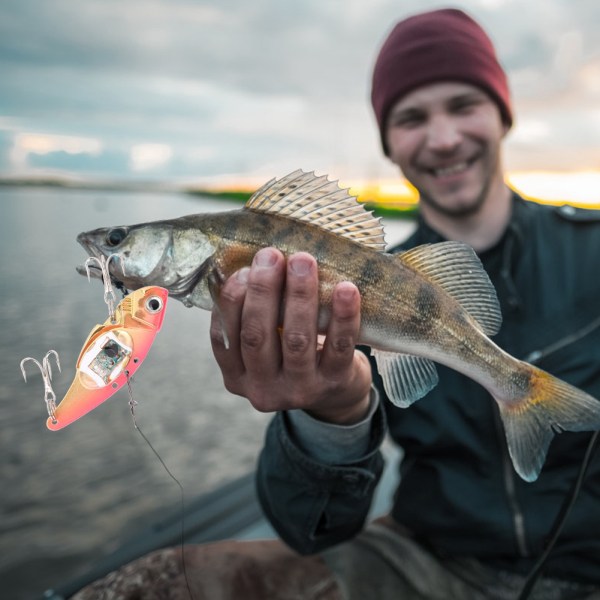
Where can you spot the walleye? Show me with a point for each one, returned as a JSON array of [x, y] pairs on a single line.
[[434, 303]]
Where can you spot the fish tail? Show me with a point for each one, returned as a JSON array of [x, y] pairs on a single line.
[[550, 406]]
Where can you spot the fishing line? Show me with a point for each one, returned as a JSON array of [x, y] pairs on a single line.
[[561, 518], [132, 404]]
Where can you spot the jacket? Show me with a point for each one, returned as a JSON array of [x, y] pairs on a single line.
[[458, 492]]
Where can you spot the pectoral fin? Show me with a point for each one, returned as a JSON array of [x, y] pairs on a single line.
[[215, 279], [406, 378]]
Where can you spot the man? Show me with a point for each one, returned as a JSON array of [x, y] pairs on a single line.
[[463, 525]]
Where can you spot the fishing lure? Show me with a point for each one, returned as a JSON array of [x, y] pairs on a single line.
[[112, 354]]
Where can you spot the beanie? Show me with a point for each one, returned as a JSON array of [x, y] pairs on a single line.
[[441, 45]]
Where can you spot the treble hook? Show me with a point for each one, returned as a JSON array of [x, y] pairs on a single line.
[[109, 293], [46, 370]]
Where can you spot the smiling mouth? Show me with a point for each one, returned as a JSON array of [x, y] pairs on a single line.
[[450, 170]]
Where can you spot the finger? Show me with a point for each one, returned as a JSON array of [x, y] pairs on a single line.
[[299, 335], [342, 332], [259, 337], [225, 325]]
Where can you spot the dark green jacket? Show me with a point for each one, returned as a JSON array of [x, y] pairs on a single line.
[[458, 491]]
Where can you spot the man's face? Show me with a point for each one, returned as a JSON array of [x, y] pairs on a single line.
[[446, 137]]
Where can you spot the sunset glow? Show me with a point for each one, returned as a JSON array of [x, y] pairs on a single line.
[[577, 188]]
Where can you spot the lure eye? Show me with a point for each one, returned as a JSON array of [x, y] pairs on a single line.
[[115, 236], [154, 304]]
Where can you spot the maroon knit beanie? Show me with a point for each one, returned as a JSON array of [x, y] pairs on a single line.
[[442, 45]]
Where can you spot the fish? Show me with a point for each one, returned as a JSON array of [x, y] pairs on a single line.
[[112, 353], [431, 304]]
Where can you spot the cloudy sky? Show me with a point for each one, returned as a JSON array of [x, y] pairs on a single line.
[[199, 90]]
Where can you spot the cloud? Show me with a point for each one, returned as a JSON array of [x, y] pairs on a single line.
[[148, 157], [42, 144], [26, 144], [246, 86]]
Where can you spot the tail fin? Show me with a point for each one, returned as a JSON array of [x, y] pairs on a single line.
[[552, 406]]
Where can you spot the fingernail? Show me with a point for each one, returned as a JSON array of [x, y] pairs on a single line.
[[265, 258], [300, 265], [345, 291], [242, 275]]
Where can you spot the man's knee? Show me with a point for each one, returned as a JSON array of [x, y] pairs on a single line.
[[227, 570], [256, 570]]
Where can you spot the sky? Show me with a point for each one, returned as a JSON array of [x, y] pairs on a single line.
[[205, 91]]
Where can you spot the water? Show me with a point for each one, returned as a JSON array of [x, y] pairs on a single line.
[[71, 497]]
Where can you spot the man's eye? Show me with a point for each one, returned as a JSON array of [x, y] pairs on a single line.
[[406, 121], [464, 107]]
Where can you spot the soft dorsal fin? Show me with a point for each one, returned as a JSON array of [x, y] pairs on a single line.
[[305, 197], [455, 267]]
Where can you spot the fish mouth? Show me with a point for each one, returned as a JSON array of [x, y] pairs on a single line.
[[92, 270]]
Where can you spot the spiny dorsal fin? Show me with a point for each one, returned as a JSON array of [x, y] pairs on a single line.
[[455, 267], [305, 197]]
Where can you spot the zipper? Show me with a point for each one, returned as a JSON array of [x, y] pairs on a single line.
[[508, 475], [537, 355]]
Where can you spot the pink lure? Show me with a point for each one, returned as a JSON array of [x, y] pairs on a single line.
[[112, 352]]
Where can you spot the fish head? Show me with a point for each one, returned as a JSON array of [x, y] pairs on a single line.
[[140, 248], [169, 254]]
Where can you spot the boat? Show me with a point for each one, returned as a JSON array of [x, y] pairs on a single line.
[[231, 511]]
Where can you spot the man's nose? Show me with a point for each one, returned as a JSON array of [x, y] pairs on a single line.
[[442, 134]]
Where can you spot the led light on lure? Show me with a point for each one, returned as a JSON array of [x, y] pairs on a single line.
[[112, 354]]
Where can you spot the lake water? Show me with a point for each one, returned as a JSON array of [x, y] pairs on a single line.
[[71, 497]]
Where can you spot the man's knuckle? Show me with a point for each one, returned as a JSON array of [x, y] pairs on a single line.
[[229, 296], [262, 401], [342, 344], [252, 338], [258, 287], [296, 342], [345, 317], [301, 293], [232, 386], [216, 334]]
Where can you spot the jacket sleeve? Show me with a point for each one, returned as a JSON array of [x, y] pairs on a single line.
[[313, 505]]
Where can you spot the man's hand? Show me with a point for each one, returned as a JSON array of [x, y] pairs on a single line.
[[287, 369]]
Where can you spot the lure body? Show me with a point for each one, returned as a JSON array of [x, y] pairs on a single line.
[[112, 353]]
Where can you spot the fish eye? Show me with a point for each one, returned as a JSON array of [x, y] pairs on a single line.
[[154, 304], [115, 236]]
